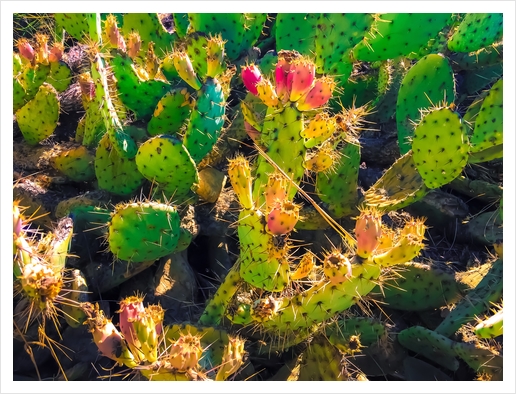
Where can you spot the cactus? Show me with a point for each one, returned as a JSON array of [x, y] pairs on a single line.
[[418, 287], [491, 327], [76, 163], [399, 186], [171, 112], [78, 25], [488, 131], [393, 35], [38, 118], [244, 32], [475, 302], [150, 29], [165, 160], [114, 173], [143, 231], [465, 38], [427, 83], [78, 293], [440, 147]]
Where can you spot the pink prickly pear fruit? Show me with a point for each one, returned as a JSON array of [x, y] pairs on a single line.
[[300, 78], [185, 69], [26, 50], [251, 75], [266, 93], [283, 218], [133, 45], [275, 190], [107, 338], [318, 95], [185, 352], [56, 52], [368, 230], [281, 72], [130, 310], [252, 132], [337, 268]]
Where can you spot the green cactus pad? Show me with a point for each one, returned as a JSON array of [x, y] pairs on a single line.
[[476, 302], [281, 134], [93, 127], [76, 163], [358, 90], [140, 232], [181, 24], [430, 344], [391, 74], [476, 80], [115, 174], [484, 57], [165, 160], [240, 31], [79, 25], [370, 330], [17, 64], [258, 265], [60, 76], [472, 112], [488, 131], [206, 120], [27, 83], [339, 188], [393, 35], [171, 112], [296, 32], [151, 30], [139, 96], [267, 64], [196, 51], [419, 287], [38, 118], [321, 362], [481, 359], [336, 35], [400, 186], [476, 31], [427, 83], [440, 147]]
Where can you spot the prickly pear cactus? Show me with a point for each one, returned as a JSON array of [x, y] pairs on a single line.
[[76, 163], [427, 83], [466, 39], [171, 112], [165, 160], [143, 231], [393, 35], [440, 147], [38, 118], [78, 25], [488, 131]]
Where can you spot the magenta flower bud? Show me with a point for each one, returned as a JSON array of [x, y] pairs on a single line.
[[251, 76], [26, 50]]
